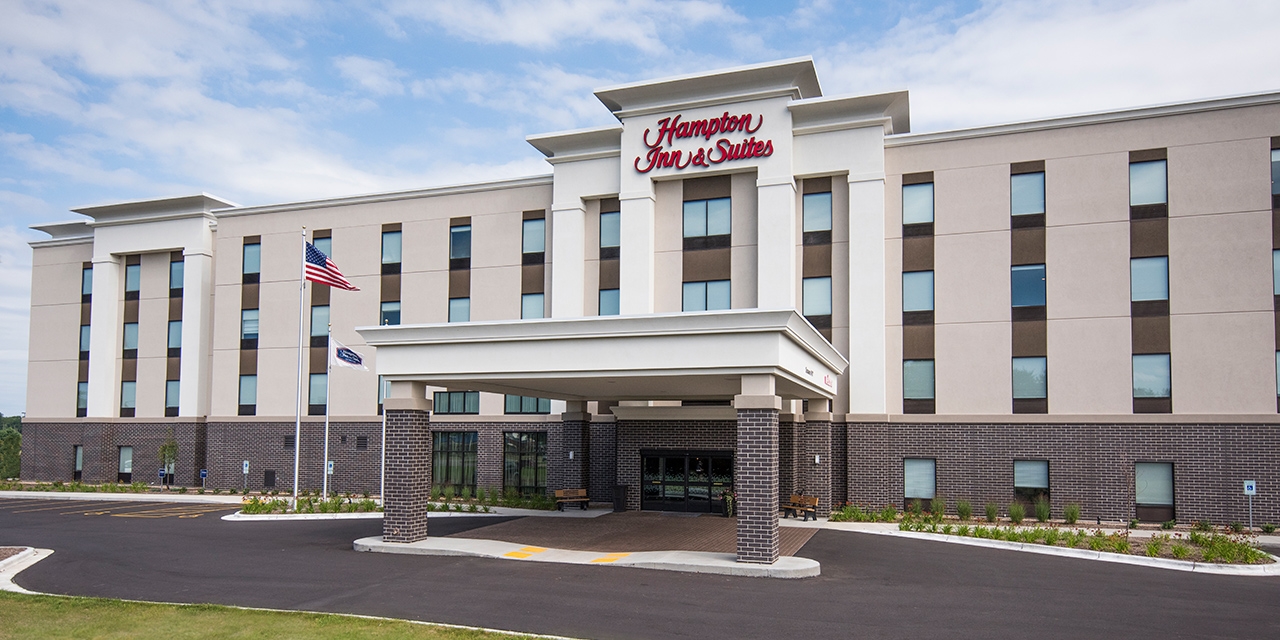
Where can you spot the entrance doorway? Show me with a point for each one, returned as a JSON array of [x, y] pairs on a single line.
[[690, 481]]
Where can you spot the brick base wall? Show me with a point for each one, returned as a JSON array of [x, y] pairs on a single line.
[[839, 465], [817, 475], [676, 435], [604, 455], [755, 479], [1089, 464], [789, 481], [263, 445], [48, 453]]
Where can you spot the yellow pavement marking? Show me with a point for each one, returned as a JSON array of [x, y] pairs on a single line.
[[170, 511], [524, 552], [108, 508], [65, 504], [611, 557], [22, 502]]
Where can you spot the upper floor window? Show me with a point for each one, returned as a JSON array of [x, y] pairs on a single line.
[[917, 203], [248, 394], [84, 340], [457, 402], [319, 325], [1030, 378], [1028, 285], [130, 339], [82, 399], [1275, 272], [317, 393], [460, 242], [1275, 172], [917, 380], [1149, 279], [1151, 376], [706, 296], [251, 263], [1026, 194], [128, 395], [817, 212], [610, 230], [459, 309], [172, 396], [816, 296], [526, 404], [532, 305], [86, 281], [132, 281], [1147, 183], [324, 245], [390, 313], [391, 247], [176, 270], [609, 302], [175, 336], [917, 291], [533, 236], [707, 218], [249, 324]]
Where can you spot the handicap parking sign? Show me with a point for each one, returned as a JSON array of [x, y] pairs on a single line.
[[1250, 488]]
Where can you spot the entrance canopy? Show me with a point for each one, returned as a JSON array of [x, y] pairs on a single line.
[[681, 356]]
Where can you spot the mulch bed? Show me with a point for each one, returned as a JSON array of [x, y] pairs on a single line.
[[5, 552]]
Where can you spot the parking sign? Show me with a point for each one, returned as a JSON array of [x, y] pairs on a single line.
[[246, 467], [1250, 488]]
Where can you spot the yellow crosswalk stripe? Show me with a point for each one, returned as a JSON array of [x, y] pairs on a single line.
[[611, 557]]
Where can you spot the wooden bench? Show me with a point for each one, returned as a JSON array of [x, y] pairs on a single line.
[[801, 505], [571, 495]]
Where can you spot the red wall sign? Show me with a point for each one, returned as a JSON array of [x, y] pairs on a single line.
[[661, 156]]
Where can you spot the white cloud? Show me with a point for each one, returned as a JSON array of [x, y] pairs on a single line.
[[555, 98], [1018, 60], [379, 77], [547, 24]]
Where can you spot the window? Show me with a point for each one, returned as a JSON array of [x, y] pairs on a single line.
[[460, 242], [1147, 183], [816, 299], [1275, 172], [251, 264], [706, 296], [176, 270], [532, 305], [524, 463], [609, 302], [454, 459], [124, 472], [610, 230], [86, 282], [248, 398], [130, 339], [319, 323], [132, 281], [172, 391], [917, 379], [1028, 285], [128, 394], [459, 309], [390, 313], [1149, 279], [919, 480], [84, 341], [249, 324], [534, 236], [917, 203], [707, 218], [79, 464], [317, 393], [1030, 378], [1153, 491], [1030, 479], [325, 245], [175, 337], [1026, 194], [917, 291], [390, 247], [817, 212], [526, 404], [82, 399], [1151, 376], [457, 402]]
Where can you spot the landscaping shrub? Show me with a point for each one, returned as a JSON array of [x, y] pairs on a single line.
[[938, 505], [1204, 526], [449, 493], [1042, 509], [915, 508], [1153, 548], [1017, 512], [1268, 528], [466, 494], [992, 511], [1168, 525], [1180, 550], [889, 513], [1071, 512], [1237, 527], [964, 509]]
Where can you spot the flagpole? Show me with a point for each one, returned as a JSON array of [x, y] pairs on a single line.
[[297, 422], [328, 375]]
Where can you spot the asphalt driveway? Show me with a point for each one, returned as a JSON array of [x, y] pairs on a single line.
[[871, 586]]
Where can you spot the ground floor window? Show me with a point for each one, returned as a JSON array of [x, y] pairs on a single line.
[[524, 464], [125, 472], [1153, 491], [1030, 480], [453, 461], [919, 480], [79, 463]]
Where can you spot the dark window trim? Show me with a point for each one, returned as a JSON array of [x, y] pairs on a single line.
[[1028, 313], [820, 322], [610, 253], [248, 344], [82, 412], [131, 295], [698, 243], [247, 410], [390, 268], [459, 264], [84, 355], [175, 352], [917, 317], [315, 409], [127, 412], [817, 237], [1153, 405], [1149, 308], [170, 412], [319, 341], [129, 354], [1031, 405], [250, 278], [1144, 211], [538, 257], [86, 298], [1027, 221], [917, 230], [918, 406]]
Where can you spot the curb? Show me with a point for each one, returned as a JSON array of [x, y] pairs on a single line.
[[787, 567], [1257, 570], [13, 565], [240, 516]]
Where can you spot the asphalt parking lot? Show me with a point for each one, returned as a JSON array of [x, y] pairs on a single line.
[[98, 508], [871, 586]]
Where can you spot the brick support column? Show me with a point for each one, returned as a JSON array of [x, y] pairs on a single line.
[[756, 482], [816, 461], [577, 441], [408, 471]]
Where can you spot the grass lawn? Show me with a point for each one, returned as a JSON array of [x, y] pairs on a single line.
[[28, 616]]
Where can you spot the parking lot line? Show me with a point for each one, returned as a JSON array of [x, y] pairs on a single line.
[[64, 505], [108, 508], [170, 511]]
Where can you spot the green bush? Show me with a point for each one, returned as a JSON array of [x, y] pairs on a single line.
[[1051, 536], [1237, 527], [1180, 551], [1071, 512], [449, 493], [10, 449], [963, 530], [915, 508], [1268, 528], [1042, 509], [1204, 526], [889, 513], [1152, 548], [964, 509], [938, 506], [466, 493], [1133, 523], [1017, 512], [992, 512]]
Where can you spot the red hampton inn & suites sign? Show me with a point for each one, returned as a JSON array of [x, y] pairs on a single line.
[[661, 155]]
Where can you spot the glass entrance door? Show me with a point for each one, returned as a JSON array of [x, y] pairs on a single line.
[[685, 481]]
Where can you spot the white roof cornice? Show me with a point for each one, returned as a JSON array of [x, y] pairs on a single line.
[[795, 76]]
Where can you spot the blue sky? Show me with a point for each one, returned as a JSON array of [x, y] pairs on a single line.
[[265, 101]]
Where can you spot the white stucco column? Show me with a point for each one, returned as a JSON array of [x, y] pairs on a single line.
[[776, 243], [197, 326], [867, 282], [636, 269], [568, 263], [105, 334]]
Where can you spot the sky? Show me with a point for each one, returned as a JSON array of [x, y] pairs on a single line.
[[266, 101]]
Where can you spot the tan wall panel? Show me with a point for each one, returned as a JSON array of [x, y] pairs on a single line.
[[1220, 177], [840, 288], [893, 283], [496, 239], [151, 378], [1220, 263], [55, 335], [226, 383], [58, 282], [357, 251], [971, 278], [277, 382], [973, 368], [893, 370], [1092, 188], [745, 236], [351, 309], [65, 254], [1087, 270], [971, 199], [1223, 363], [226, 316], [668, 291], [353, 392], [155, 276], [153, 327], [1090, 366], [668, 243], [424, 297], [51, 389], [495, 292], [278, 315], [424, 245], [228, 263]]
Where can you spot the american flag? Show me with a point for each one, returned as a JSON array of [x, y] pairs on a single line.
[[322, 270]]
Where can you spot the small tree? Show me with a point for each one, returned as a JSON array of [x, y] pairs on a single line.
[[169, 454], [10, 453]]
